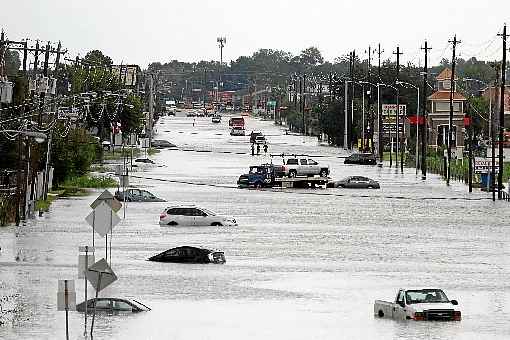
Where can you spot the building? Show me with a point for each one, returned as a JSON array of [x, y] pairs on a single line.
[[439, 114], [493, 96]]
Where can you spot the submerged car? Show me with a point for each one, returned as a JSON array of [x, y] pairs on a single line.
[[191, 215], [187, 254], [161, 143], [216, 119], [111, 305], [137, 195], [144, 160], [254, 135], [361, 158], [355, 182]]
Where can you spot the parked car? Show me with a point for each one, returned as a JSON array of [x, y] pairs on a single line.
[[355, 182], [137, 195], [191, 215], [305, 166], [111, 305], [237, 131], [187, 254], [161, 143], [144, 160], [419, 304], [254, 135], [361, 158]]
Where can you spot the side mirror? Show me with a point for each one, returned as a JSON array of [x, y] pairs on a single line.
[[454, 302]]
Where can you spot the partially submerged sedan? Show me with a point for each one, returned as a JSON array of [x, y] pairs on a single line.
[[187, 254], [137, 195], [110, 305], [355, 182]]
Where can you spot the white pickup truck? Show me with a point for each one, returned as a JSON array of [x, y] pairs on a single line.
[[419, 304], [305, 166]]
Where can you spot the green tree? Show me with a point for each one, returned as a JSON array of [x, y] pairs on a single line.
[[97, 57]]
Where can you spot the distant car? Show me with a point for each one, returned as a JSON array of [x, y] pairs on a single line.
[[361, 158], [355, 182], [254, 135], [188, 254], [111, 305], [216, 119], [161, 143], [137, 195], [190, 215], [260, 140], [144, 160], [191, 114], [237, 131]]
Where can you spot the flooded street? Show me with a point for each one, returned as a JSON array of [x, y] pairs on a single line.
[[302, 264]]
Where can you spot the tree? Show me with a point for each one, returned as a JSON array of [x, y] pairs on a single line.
[[97, 57], [311, 57], [12, 62], [131, 116]]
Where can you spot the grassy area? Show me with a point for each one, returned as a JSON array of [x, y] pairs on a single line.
[[153, 151], [88, 181], [45, 204], [119, 154]]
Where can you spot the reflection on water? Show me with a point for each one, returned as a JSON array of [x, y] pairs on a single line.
[[299, 266]]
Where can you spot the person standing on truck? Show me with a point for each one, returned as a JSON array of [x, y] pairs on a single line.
[[253, 149], [265, 148], [258, 149]]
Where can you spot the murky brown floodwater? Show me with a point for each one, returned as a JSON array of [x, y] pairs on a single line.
[[303, 264]]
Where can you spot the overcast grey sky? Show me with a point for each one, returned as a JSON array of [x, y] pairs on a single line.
[[140, 32]]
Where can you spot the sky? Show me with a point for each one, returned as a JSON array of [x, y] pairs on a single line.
[[140, 32]]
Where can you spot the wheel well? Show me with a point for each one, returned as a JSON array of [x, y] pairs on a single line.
[[172, 223], [216, 224], [380, 314]]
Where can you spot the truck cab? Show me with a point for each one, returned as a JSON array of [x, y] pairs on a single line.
[[420, 305], [260, 176]]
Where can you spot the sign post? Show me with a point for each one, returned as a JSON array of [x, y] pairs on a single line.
[[66, 299], [83, 265]]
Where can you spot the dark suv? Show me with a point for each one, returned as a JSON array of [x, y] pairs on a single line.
[[361, 158]]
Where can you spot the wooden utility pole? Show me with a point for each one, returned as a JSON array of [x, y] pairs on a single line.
[[397, 114], [424, 126], [379, 118], [501, 124], [454, 43]]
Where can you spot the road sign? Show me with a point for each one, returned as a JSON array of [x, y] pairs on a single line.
[[103, 219], [391, 109], [66, 295], [484, 165], [107, 197], [103, 270]]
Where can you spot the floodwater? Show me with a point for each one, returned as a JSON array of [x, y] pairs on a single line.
[[302, 264]]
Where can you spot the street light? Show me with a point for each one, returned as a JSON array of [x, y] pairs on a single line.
[[417, 120]]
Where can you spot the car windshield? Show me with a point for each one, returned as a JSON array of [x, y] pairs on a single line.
[[426, 296], [208, 212]]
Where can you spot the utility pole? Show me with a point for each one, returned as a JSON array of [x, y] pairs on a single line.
[[379, 119], [346, 105], [424, 126], [221, 43], [501, 124], [454, 42], [351, 121], [493, 139], [303, 102], [151, 106], [397, 115]]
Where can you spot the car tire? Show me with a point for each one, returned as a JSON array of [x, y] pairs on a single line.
[[369, 187], [292, 174], [216, 224], [172, 223], [342, 186], [323, 173]]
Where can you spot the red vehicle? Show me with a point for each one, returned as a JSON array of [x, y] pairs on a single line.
[[236, 122]]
